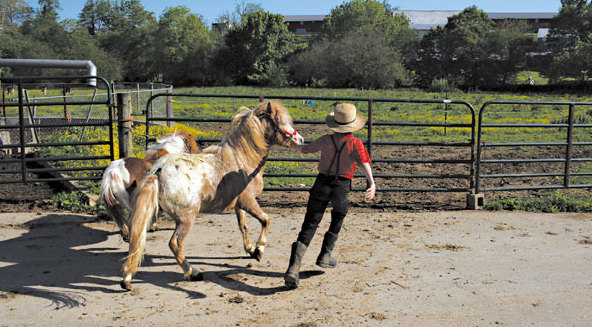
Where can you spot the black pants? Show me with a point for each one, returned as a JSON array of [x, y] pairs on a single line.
[[325, 189]]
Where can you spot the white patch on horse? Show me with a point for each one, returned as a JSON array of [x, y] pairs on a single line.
[[172, 144], [118, 166], [183, 177]]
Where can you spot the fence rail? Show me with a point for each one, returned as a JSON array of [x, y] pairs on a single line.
[[27, 166], [475, 161], [370, 141], [565, 148]]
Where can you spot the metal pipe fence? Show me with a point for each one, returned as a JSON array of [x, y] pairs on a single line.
[[438, 152], [24, 134], [552, 171], [372, 142]]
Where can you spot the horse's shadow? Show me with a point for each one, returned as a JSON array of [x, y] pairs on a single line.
[[60, 259], [55, 253]]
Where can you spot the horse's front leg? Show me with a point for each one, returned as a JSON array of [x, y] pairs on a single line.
[[244, 229], [252, 207], [184, 223]]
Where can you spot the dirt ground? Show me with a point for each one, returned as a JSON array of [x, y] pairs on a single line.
[[440, 268]]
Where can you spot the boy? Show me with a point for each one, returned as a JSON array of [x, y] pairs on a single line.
[[341, 152]]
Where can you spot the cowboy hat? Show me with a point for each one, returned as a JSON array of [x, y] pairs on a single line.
[[344, 119]]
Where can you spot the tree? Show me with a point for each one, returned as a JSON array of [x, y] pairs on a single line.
[[470, 51], [185, 50], [97, 16], [126, 31], [368, 16], [570, 41], [235, 18], [362, 45], [507, 46], [255, 51], [80, 45], [13, 11]]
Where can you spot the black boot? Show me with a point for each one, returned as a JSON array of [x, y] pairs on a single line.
[[291, 277], [325, 259]]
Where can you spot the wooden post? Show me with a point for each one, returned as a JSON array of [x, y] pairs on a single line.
[[124, 124]]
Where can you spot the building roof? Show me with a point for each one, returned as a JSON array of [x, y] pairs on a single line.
[[521, 15], [304, 18], [427, 19]]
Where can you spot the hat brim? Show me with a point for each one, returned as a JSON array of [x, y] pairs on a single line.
[[356, 125]]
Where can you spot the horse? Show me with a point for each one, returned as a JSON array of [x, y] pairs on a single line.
[[221, 177], [122, 176]]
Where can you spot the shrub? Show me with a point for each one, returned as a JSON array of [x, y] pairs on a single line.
[[559, 201]]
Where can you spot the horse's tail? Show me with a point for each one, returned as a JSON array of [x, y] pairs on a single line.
[[112, 186], [145, 206]]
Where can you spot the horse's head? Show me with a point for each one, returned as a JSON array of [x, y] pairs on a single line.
[[189, 140], [280, 129]]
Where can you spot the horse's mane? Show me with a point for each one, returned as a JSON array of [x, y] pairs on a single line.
[[246, 140]]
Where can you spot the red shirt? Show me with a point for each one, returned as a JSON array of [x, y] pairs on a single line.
[[353, 152]]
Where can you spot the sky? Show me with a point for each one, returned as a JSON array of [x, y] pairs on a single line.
[[211, 10]]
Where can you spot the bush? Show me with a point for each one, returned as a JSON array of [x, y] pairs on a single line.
[[442, 85], [75, 202], [559, 201]]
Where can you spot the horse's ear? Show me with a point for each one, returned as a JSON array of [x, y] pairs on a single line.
[[269, 110]]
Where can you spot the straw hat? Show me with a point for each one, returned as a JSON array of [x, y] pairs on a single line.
[[344, 119]]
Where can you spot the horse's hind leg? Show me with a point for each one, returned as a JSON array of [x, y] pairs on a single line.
[[121, 218], [184, 223], [244, 229]]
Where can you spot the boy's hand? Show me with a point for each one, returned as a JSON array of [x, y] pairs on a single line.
[[370, 192]]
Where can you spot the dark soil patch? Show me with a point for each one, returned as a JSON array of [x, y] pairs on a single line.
[[23, 197]]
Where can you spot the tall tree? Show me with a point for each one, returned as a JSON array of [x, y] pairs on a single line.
[[362, 45], [471, 51], [13, 11], [125, 30], [570, 41], [185, 47], [235, 18], [255, 51]]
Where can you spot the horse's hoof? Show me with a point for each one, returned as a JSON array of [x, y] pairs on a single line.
[[257, 254], [153, 227], [126, 285]]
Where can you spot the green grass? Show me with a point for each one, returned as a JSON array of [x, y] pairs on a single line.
[[558, 201]]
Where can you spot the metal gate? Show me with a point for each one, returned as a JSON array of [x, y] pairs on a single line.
[[448, 173], [552, 142], [47, 127]]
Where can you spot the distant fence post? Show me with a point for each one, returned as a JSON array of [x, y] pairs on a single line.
[[124, 124], [169, 108]]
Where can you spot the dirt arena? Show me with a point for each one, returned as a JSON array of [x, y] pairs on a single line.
[[443, 268]]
